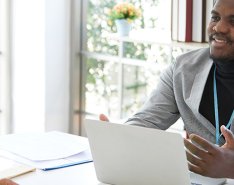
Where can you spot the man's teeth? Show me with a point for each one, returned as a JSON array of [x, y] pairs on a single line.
[[220, 40]]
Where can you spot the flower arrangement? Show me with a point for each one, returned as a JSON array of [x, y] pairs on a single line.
[[125, 11]]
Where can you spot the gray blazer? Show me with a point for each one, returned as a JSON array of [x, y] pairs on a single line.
[[178, 94]]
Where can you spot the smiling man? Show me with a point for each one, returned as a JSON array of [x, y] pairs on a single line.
[[199, 88], [218, 93]]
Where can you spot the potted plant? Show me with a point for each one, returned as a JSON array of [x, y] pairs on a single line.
[[123, 14]]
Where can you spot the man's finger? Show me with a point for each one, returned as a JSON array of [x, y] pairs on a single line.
[[7, 182], [194, 160], [195, 150], [195, 169], [103, 117], [228, 136], [206, 145]]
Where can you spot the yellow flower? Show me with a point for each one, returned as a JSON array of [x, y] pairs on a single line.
[[124, 10], [110, 23], [131, 13], [129, 20]]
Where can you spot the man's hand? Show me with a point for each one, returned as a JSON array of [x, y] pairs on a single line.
[[210, 160], [7, 182], [103, 117]]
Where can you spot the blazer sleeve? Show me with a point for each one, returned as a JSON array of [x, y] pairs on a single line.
[[160, 109]]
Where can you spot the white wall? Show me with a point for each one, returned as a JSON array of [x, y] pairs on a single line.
[[5, 88], [40, 65], [57, 64]]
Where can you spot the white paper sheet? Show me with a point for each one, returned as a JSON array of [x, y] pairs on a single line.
[[80, 157], [43, 146]]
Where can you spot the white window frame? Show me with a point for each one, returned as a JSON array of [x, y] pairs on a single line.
[[77, 65]]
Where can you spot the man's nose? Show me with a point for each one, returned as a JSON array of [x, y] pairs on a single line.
[[221, 27]]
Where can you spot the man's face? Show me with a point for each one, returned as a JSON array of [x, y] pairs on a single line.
[[221, 30]]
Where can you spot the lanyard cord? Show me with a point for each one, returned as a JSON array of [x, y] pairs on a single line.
[[217, 133]]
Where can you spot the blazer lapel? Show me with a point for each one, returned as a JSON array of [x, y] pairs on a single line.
[[198, 86], [197, 89], [196, 93]]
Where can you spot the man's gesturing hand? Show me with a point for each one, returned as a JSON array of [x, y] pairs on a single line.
[[208, 159]]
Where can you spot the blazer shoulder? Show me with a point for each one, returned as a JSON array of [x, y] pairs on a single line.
[[193, 59], [194, 55]]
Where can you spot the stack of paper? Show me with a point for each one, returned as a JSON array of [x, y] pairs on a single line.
[[46, 151]]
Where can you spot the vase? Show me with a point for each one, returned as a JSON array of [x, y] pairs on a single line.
[[123, 27]]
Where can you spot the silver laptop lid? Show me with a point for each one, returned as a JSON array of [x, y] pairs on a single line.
[[131, 155]]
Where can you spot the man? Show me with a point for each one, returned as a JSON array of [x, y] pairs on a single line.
[[7, 182], [199, 88]]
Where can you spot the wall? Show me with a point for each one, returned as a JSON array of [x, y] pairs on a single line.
[[57, 64], [40, 60]]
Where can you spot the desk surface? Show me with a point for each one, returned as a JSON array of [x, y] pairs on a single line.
[[76, 175]]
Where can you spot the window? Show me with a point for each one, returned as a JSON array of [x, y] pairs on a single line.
[[119, 73], [120, 89]]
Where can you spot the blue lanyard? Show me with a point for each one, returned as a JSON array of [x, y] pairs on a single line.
[[217, 134]]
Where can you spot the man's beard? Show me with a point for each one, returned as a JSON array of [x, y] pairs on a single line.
[[221, 59], [226, 58]]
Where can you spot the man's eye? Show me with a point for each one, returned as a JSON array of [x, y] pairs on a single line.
[[232, 21], [215, 18]]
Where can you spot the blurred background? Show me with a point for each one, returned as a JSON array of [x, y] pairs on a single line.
[[62, 61]]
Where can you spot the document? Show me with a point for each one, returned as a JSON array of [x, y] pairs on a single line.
[[46, 151], [43, 146], [80, 158], [10, 169]]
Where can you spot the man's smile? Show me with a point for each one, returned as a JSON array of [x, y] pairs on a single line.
[[219, 41]]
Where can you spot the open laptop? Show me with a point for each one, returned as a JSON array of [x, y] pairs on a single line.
[[132, 155]]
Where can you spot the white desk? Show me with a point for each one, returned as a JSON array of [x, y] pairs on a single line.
[[76, 175]]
